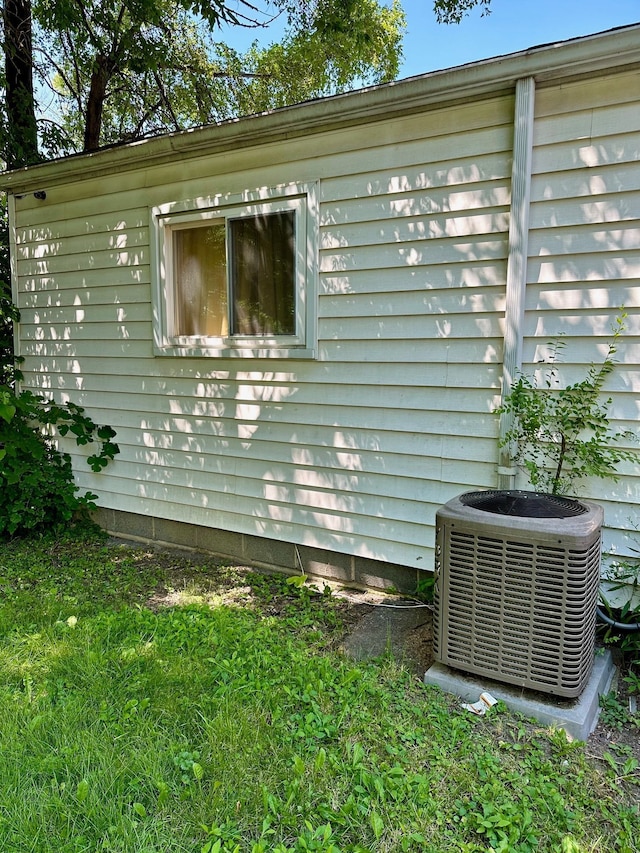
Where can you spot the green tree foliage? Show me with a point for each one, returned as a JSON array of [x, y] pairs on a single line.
[[453, 11], [99, 47], [114, 70], [116, 78], [354, 40]]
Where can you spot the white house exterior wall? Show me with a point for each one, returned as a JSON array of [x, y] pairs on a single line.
[[584, 254], [354, 450]]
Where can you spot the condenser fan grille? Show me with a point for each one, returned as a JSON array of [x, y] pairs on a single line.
[[516, 607], [524, 504]]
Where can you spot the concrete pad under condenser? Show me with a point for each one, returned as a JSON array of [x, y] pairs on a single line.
[[577, 717]]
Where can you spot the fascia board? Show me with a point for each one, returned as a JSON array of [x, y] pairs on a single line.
[[609, 51]]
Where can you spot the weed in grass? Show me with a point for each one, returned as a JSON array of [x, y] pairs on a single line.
[[632, 678], [506, 824], [613, 713], [191, 771]]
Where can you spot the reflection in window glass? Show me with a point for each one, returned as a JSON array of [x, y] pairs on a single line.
[[262, 259], [200, 296]]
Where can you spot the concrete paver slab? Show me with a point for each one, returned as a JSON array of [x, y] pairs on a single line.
[[577, 717]]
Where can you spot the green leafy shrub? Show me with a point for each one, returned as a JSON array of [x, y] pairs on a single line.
[[36, 479], [560, 435]]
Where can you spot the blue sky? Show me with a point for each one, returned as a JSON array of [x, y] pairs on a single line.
[[512, 25]]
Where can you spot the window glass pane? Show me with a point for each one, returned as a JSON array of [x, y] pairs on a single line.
[[263, 280], [199, 275]]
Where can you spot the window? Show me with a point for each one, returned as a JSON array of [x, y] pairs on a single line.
[[235, 278]]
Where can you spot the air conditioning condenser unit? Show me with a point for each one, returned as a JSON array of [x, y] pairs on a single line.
[[517, 577]]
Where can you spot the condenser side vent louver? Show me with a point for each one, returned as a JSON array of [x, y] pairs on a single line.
[[516, 595]]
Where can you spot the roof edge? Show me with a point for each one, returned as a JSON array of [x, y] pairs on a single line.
[[610, 50]]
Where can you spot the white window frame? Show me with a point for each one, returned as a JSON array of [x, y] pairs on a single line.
[[165, 218]]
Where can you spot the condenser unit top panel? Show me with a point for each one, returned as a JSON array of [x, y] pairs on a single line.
[[502, 512]]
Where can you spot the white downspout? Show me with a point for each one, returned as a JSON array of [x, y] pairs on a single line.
[[516, 260]]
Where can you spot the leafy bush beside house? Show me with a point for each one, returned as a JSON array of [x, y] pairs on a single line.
[[36, 479], [561, 435]]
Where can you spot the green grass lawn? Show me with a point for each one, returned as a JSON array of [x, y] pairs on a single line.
[[229, 722]]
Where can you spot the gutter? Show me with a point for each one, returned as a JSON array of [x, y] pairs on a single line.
[[612, 50]]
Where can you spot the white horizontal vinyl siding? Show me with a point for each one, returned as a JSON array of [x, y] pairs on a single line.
[[413, 268], [353, 451], [584, 255]]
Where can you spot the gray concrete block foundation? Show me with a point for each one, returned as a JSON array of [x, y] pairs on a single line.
[[260, 552]]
